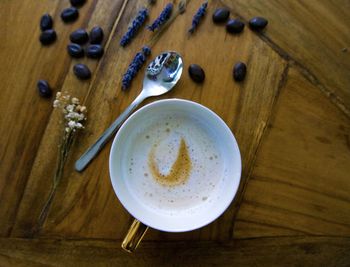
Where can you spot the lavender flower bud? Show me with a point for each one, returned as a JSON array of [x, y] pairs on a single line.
[[198, 16], [146, 50], [163, 17], [135, 25], [135, 66]]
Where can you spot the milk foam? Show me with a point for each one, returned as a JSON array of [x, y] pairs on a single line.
[[163, 135]]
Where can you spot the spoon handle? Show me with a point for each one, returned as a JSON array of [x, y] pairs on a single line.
[[94, 149]]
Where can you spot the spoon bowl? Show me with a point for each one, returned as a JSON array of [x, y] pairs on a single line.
[[160, 77], [162, 73]]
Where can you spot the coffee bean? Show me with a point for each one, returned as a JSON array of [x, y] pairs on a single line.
[[196, 73], [258, 23], [239, 71], [44, 89], [96, 35], [79, 36], [75, 50], [48, 37], [77, 3], [234, 26], [46, 22], [94, 51], [70, 14], [220, 15], [82, 71]]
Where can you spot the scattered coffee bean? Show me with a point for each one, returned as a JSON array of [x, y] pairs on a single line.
[[239, 71], [48, 37], [94, 51], [220, 15], [258, 23], [75, 50], [234, 26], [69, 14], [96, 35], [77, 3], [46, 22], [44, 89], [196, 73], [82, 71], [79, 36]]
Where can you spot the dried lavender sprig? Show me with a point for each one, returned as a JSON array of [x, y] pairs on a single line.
[[181, 8], [163, 17], [135, 66], [198, 16], [135, 25]]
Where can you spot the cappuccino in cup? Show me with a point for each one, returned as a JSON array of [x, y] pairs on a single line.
[[174, 164]]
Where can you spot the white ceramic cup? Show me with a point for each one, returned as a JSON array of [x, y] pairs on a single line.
[[208, 211]]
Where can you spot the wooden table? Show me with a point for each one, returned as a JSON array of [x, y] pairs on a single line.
[[291, 117]]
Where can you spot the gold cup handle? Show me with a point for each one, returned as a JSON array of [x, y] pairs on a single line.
[[134, 236]]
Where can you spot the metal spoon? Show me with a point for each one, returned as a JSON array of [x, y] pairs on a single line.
[[160, 77]]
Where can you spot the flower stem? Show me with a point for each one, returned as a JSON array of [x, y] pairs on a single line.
[[63, 154]]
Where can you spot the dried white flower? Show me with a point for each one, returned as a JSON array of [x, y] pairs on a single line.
[[71, 124], [75, 125], [80, 108], [75, 100], [56, 103], [74, 114], [70, 108]]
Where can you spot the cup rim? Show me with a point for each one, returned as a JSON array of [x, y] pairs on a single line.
[[231, 192]]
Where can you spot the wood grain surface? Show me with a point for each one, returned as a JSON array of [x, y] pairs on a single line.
[[314, 35], [282, 251], [291, 118], [308, 187]]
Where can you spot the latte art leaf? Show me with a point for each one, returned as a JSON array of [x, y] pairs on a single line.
[[180, 170]]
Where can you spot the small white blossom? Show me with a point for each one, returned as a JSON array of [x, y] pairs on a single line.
[[71, 124], [75, 116], [75, 100], [70, 108], [56, 103], [78, 108], [75, 125], [74, 113]]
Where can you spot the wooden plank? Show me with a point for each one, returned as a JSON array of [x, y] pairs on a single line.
[[316, 34], [300, 180], [32, 112], [284, 251], [85, 205], [24, 61]]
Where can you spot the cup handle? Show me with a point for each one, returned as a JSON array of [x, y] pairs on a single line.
[[134, 236]]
